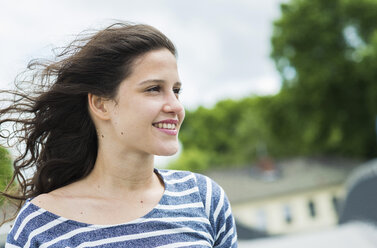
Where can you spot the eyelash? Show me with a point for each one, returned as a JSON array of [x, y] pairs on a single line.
[[154, 88], [158, 88]]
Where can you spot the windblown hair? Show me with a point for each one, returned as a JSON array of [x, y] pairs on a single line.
[[49, 109]]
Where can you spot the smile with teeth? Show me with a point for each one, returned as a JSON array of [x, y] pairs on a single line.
[[170, 126]]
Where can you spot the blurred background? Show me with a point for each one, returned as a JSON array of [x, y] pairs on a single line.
[[280, 98]]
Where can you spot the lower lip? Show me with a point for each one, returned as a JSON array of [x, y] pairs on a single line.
[[168, 131]]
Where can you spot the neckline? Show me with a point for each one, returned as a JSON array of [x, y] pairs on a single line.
[[97, 226]]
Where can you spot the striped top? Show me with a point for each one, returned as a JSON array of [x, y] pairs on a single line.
[[193, 212]]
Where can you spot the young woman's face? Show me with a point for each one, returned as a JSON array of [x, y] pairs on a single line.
[[146, 115]]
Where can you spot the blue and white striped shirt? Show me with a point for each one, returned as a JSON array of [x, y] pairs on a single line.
[[193, 212]]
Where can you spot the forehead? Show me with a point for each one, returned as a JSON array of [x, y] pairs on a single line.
[[159, 64], [154, 65], [157, 58]]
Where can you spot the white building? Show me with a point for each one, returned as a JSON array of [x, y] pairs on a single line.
[[304, 197]]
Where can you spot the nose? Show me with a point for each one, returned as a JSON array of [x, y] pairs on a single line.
[[172, 104]]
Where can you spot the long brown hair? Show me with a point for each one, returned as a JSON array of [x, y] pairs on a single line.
[[49, 109]]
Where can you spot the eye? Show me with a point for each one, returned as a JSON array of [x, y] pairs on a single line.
[[177, 90], [156, 88]]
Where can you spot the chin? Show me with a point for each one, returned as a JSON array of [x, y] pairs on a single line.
[[167, 152]]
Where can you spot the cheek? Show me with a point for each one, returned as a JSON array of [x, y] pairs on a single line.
[[182, 115]]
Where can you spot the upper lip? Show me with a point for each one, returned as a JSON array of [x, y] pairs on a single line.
[[168, 121]]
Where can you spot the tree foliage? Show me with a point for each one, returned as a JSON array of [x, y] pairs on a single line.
[[5, 168], [326, 52], [323, 50]]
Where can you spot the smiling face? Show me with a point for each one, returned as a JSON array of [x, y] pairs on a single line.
[[146, 115]]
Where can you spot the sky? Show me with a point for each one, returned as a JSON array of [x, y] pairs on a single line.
[[223, 46]]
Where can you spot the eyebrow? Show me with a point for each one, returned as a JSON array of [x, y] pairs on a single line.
[[160, 81]]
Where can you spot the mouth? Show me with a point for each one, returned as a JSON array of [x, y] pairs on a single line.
[[167, 126]]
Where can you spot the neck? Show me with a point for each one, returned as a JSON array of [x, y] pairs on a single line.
[[115, 174]]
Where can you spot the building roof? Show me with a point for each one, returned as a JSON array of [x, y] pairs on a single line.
[[298, 174]]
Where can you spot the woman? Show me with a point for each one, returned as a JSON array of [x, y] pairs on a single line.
[[99, 115]]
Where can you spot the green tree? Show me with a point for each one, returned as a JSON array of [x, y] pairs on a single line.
[[323, 50], [5, 168], [191, 159], [212, 131], [326, 52]]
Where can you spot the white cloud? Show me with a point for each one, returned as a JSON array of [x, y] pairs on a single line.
[[266, 85], [223, 46], [218, 41]]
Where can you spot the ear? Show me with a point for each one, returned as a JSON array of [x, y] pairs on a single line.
[[99, 106]]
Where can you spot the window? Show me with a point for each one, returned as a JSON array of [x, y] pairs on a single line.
[[335, 203], [312, 209], [287, 212], [261, 220]]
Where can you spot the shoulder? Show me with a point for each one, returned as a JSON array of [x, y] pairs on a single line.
[[203, 182], [215, 204], [208, 189], [28, 219], [55, 201], [211, 192], [45, 201], [173, 174], [34, 207], [177, 176], [207, 183]]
